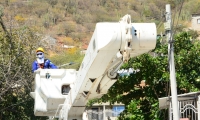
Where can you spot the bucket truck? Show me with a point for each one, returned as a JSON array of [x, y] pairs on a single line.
[[64, 93]]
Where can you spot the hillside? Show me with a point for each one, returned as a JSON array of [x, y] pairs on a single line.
[[76, 19]]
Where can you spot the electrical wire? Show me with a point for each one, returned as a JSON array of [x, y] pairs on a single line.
[[161, 22], [173, 21], [179, 15]]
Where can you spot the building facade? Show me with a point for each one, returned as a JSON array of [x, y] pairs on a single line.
[[196, 22], [105, 111]]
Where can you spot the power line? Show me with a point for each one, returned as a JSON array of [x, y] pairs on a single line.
[[173, 21], [179, 15]]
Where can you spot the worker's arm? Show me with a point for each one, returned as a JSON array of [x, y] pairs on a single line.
[[34, 66], [51, 65]]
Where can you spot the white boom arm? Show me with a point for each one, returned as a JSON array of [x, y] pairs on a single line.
[[64, 93]]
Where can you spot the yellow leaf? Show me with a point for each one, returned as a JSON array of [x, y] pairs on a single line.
[[19, 18]]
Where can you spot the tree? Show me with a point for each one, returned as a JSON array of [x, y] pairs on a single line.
[[68, 28], [142, 102], [52, 2], [19, 19], [16, 51]]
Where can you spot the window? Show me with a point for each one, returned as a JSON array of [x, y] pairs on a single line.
[[94, 113], [117, 110], [65, 89], [198, 21]]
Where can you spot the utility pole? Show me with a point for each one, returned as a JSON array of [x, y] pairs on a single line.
[[168, 28]]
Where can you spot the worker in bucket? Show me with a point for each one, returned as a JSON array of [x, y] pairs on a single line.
[[41, 62]]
